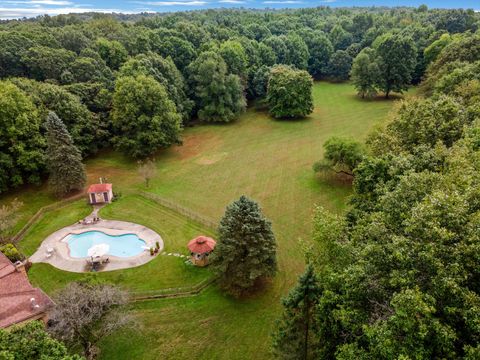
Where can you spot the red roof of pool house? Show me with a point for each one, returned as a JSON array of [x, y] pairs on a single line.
[[98, 188], [201, 245], [19, 300]]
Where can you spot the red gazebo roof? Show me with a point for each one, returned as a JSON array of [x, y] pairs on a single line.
[[201, 245], [97, 188]]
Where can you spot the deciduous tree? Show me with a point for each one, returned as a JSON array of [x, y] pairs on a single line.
[[397, 59], [320, 49], [235, 57], [218, 96], [340, 65], [365, 73], [289, 92], [143, 116], [31, 341], [112, 52], [147, 170], [86, 313], [21, 143], [166, 73], [342, 155]]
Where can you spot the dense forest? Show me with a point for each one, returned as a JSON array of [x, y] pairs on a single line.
[[134, 81], [395, 277]]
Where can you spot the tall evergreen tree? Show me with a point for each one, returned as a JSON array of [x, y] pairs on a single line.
[[296, 333], [64, 160], [246, 251]]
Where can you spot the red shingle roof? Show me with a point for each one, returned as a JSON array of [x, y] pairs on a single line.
[[97, 188], [201, 245], [16, 294]]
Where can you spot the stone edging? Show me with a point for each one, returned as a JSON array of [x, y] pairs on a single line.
[[62, 260]]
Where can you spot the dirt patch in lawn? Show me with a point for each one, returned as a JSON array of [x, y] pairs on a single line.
[[212, 159], [195, 144]]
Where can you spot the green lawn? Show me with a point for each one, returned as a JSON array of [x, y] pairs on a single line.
[[268, 160], [160, 273], [52, 221]]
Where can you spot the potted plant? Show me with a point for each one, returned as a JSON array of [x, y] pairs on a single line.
[[157, 247], [152, 252]]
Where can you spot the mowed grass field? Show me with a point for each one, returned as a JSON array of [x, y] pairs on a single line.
[[265, 159], [163, 272]]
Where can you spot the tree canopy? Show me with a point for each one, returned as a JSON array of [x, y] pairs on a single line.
[[246, 248], [397, 59], [218, 95], [31, 341], [397, 273], [64, 161], [289, 92], [21, 144], [210, 62], [157, 123]]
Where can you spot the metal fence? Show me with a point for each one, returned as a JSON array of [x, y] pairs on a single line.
[[57, 205], [209, 222], [172, 292], [138, 295]]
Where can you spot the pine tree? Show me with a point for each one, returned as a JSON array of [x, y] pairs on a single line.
[[246, 250], [65, 166], [295, 337]]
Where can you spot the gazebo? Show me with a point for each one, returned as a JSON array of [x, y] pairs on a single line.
[[200, 248]]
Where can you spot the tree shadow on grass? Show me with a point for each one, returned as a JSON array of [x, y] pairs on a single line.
[[377, 98], [334, 179]]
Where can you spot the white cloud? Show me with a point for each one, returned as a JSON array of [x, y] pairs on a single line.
[[283, 2], [14, 13], [51, 2], [173, 3], [232, 1], [38, 2]]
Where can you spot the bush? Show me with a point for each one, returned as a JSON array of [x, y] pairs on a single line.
[[11, 252]]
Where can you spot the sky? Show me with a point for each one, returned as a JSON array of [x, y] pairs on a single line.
[[10, 9]]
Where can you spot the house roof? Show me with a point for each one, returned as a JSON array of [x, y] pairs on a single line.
[[201, 245], [96, 188], [19, 300]]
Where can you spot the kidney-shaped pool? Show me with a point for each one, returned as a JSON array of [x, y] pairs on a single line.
[[125, 245]]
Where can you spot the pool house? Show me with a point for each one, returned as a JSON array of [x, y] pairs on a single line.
[[100, 193]]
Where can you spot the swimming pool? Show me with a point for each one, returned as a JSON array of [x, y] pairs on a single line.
[[124, 245]]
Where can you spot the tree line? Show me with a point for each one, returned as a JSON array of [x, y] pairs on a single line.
[[396, 277], [135, 81]]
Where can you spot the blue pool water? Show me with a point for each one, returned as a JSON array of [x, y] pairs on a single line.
[[125, 245]]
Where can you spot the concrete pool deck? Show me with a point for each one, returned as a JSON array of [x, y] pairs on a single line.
[[61, 259]]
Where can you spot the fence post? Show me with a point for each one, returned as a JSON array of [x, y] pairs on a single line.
[[56, 205], [180, 209]]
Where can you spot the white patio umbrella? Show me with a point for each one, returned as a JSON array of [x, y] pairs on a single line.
[[98, 250]]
